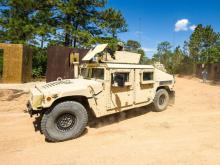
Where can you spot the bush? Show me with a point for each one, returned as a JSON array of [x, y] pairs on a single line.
[[37, 72], [39, 64], [186, 67]]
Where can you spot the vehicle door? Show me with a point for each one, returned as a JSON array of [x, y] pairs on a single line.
[[144, 85], [121, 90]]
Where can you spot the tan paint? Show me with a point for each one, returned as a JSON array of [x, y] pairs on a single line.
[[105, 97], [127, 57]]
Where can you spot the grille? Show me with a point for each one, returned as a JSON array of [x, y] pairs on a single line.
[[52, 84]]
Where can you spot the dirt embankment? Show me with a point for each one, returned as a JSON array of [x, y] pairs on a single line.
[[186, 133]]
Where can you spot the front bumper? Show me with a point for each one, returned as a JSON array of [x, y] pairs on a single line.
[[30, 109]]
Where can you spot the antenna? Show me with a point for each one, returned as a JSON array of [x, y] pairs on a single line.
[[139, 29], [174, 37]]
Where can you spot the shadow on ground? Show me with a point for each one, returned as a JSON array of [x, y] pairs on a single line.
[[118, 117], [11, 94], [214, 83], [103, 121]]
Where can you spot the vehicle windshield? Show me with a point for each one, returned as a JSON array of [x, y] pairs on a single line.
[[92, 73]]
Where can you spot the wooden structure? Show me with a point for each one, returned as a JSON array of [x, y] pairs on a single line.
[[212, 69], [17, 63], [61, 62]]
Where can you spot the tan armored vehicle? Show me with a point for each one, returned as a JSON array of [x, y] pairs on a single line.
[[107, 84]]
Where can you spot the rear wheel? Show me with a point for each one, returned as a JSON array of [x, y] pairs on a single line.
[[67, 120], [161, 100]]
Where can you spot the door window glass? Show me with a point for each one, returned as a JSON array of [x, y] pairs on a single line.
[[147, 76]]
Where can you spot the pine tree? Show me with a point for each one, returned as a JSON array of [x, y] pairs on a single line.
[[112, 22]]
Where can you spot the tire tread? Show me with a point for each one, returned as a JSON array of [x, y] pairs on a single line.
[[47, 114]]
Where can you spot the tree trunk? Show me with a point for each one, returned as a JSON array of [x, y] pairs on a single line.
[[74, 42], [67, 39], [42, 42], [75, 37], [114, 35], [194, 67], [67, 32]]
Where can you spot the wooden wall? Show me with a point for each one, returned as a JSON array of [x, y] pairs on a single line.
[[212, 69], [17, 63], [58, 62]]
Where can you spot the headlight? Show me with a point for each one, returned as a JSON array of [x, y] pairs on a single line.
[[36, 98]]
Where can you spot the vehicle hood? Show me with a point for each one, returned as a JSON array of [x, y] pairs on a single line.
[[69, 87]]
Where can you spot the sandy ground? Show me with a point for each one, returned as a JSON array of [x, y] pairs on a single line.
[[24, 87], [186, 133]]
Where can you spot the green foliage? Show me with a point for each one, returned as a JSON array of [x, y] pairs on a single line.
[[39, 64], [45, 24], [83, 23], [24, 20], [164, 54], [37, 72], [174, 61], [112, 21], [164, 47], [186, 66], [77, 17], [135, 46], [77, 23], [16, 20], [204, 45]]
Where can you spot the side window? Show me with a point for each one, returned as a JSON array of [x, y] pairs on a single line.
[[147, 76], [125, 76], [98, 73], [121, 79]]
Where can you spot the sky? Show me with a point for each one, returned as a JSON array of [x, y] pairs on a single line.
[[153, 21]]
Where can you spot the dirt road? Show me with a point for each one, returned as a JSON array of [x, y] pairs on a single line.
[[186, 133]]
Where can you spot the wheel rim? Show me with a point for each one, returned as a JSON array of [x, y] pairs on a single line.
[[162, 100], [65, 122]]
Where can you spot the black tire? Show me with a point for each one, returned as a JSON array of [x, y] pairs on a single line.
[[161, 100], [67, 120]]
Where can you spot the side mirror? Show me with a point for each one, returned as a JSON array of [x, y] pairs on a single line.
[[120, 80]]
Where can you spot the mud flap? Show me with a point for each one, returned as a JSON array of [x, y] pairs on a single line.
[[172, 97]]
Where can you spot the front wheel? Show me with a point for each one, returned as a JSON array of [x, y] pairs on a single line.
[[67, 120], [161, 100]]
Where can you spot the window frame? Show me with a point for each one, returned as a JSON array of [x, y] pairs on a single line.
[[90, 71], [127, 83], [142, 77]]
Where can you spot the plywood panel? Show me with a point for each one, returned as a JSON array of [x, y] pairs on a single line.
[[58, 62], [27, 64], [13, 65]]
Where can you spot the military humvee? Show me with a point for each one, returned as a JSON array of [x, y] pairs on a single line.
[[107, 84]]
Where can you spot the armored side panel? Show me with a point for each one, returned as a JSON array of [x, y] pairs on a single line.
[[127, 57], [123, 57]]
